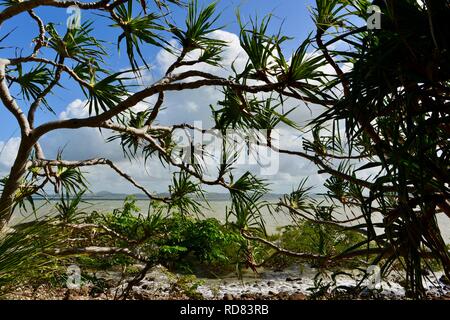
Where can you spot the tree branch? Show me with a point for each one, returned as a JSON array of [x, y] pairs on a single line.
[[166, 84], [10, 103], [45, 92], [20, 7], [324, 222], [93, 250], [142, 134], [326, 168], [65, 68], [41, 40], [323, 258], [93, 162], [102, 227]]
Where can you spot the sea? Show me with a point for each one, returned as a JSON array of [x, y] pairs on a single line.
[[274, 221]]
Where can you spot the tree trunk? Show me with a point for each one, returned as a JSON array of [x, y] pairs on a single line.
[[12, 184]]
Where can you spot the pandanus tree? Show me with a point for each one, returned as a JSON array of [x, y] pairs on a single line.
[[394, 107], [391, 109], [388, 116], [384, 109]]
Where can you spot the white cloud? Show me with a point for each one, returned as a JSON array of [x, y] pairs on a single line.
[[233, 53], [193, 105], [75, 109], [88, 143], [179, 107], [8, 152], [143, 78]]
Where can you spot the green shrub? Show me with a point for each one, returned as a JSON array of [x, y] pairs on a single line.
[[192, 244], [176, 240]]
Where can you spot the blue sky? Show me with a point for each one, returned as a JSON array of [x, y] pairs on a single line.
[[292, 15]]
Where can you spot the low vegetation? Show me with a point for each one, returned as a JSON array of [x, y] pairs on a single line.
[[378, 136], [31, 253]]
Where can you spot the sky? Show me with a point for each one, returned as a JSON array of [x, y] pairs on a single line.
[[185, 107]]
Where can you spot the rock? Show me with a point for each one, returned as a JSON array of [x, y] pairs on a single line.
[[270, 283], [289, 279], [228, 296], [250, 296], [445, 280], [297, 296], [283, 295], [103, 296], [365, 293]]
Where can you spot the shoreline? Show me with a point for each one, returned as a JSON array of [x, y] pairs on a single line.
[[289, 284]]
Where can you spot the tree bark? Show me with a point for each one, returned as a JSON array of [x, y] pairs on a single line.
[[12, 184]]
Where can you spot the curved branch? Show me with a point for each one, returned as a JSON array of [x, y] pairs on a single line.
[[20, 7], [166, 84], [93, 250], [163, 152], [102, 227], [326, 168], [45, 92], [65, 68], [365, 124], [325, 259], [324, 222], [331, 62], [41, 40], [285, 251], [142, 134], [155, 109], [10, 103], [92, 162]]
